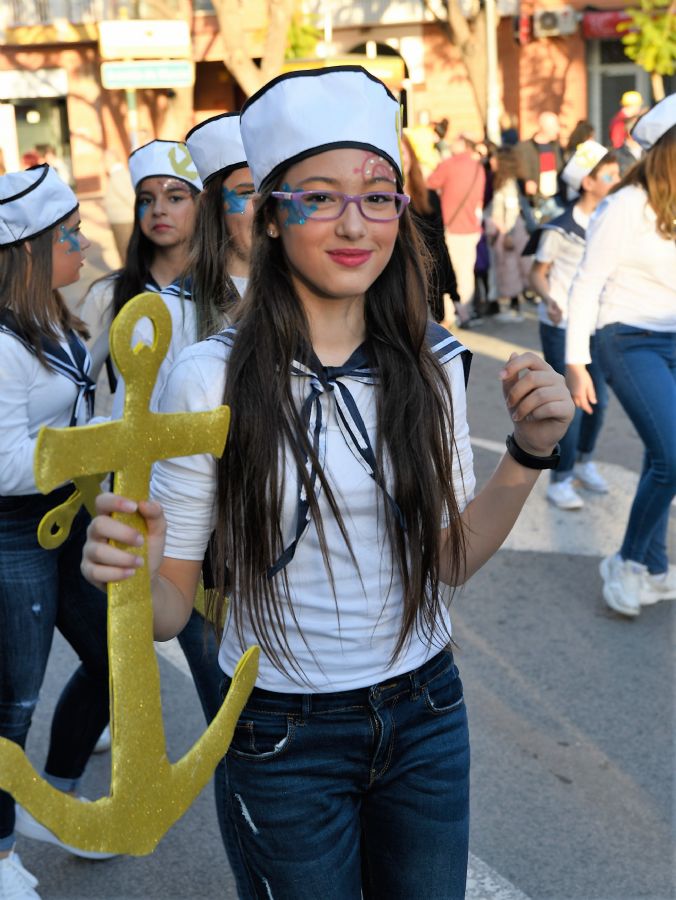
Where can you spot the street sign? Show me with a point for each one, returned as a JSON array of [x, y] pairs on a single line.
[[145, 39], [144, 73]]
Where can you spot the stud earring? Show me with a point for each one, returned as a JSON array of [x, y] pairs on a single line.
[[272, 233]]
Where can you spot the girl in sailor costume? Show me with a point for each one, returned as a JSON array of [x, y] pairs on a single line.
[[624, 292], [167, 187], [217, 270], [341, 509], [44, 380]]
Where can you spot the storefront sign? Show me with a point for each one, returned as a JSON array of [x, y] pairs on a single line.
[[145, 39], [173, 73], [600, 25]]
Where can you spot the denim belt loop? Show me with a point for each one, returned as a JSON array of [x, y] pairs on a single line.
[[306, 708], [415, 684]]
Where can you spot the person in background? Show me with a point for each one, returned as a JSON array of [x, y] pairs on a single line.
[[426, 209], [441, 145], [583, 131], [509, 132], [591, 173], [507, 232], [631, 151], [625, 289], [166, 187], [631, 106], [539, 161], [44, 380], [460, 181]]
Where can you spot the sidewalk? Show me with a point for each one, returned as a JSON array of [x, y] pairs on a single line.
[[101, 257]]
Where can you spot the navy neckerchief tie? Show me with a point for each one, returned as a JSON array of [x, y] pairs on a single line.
[[75, 367], [329, 379]]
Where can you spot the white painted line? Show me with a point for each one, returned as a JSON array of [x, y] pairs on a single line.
[[482, 882]]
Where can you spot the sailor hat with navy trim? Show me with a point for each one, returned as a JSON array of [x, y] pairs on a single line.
[[216, 146], [656, 122], [32, 202], [170, 159], [302, 113], [586, 158]]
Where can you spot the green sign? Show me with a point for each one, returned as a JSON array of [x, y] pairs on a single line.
[[147, 73]]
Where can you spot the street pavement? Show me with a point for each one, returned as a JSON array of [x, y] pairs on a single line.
[[571, 707]]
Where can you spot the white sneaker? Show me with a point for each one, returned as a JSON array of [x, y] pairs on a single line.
[[590, 477], [16, 883], [104, 741], [622, 584], [29, 827], [658, 587], [563, 495]]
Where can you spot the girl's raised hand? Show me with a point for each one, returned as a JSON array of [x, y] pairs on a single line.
[[101, 561], [538, 402], [581, 387]]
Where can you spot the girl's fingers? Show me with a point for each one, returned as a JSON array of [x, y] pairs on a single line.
[[539, 403], [530, 381], [102, 529], [108, 503]]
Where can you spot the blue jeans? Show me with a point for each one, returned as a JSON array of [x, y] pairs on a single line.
[[356, 793], [580, 439], [640, 366], [41, 589], [199, 644]]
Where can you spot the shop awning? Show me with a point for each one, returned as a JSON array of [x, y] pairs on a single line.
[[602, 24]]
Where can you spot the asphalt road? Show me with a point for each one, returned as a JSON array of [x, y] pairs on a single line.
[[571, 709]]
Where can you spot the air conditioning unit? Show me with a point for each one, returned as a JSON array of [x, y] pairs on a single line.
[[554, 22]]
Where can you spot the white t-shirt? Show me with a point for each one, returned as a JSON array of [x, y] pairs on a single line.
[[30, 396], [564, 251], [342, 652], [627, 275]]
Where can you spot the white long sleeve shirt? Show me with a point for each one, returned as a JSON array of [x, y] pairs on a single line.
[[627, 275], [30, 396], [344, 651]]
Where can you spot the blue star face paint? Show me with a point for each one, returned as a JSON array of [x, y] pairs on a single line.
[[295, 214], [71, 237], [142, 210], [235, 203]]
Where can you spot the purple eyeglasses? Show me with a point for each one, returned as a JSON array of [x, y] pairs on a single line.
[[324, 206]]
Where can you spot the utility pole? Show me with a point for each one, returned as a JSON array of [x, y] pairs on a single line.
[[492, 87]]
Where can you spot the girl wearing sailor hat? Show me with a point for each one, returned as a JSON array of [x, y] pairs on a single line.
[[341, 508], [167, 186], [625, 292], [44, 380]]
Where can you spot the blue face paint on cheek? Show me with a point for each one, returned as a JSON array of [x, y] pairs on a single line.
[[142, 210], [235, 203], [295, 215], [70, 237]]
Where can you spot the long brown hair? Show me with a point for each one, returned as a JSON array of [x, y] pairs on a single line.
[[414, 428], [656, 174], [212, 288], [414, 182], [26, 290]]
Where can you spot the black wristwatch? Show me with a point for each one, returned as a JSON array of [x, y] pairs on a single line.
[[530, 461]]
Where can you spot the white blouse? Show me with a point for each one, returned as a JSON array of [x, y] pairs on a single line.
[[338, 649], [627, 275], [30, 396]]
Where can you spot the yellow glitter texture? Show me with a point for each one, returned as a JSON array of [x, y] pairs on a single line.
[[148, 794]]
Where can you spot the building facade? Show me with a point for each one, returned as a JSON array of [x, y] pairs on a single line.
[[552, 56]]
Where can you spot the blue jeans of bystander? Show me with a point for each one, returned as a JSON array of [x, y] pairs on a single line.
[[640, 366], [580, 439], [40, 589]]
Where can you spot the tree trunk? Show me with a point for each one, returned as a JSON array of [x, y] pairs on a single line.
[[231, 14], [657, 83]]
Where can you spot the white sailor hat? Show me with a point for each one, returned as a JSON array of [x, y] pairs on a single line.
[[656, 122], [216, 146], [586, 158], [306, 112], [32, 202], [169, 158]]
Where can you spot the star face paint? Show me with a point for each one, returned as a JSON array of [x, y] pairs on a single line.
[[295, 214], [71, 237], [235, 203]]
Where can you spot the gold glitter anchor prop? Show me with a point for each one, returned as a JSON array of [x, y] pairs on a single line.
[[54, 527], [148, 793]]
